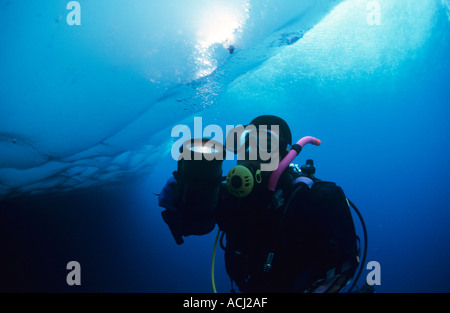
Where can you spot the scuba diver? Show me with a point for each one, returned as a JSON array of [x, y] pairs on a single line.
[[282, 229]]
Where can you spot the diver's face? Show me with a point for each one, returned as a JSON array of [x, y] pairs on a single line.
[[257, 146], [260, 149], [266, 166]]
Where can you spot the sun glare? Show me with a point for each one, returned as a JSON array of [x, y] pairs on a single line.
[[218, 27]]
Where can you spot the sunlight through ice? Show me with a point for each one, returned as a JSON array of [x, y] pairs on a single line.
[[218, 27]]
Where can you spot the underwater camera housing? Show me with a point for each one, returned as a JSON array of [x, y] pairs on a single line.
[[200, 173]]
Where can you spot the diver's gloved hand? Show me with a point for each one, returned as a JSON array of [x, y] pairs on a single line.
[[169, 194], [172, 216], [182, 220]]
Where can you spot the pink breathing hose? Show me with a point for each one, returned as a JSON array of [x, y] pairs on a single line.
[[275, 176]]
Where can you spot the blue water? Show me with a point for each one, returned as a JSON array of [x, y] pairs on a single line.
[[86, 114]]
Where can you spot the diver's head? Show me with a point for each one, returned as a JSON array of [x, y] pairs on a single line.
[[278, 126], [260, 146], [262, 143]]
